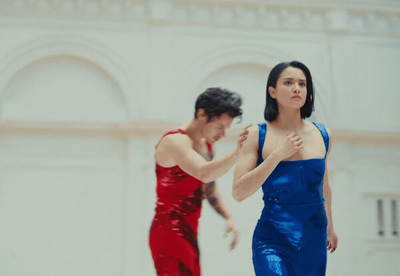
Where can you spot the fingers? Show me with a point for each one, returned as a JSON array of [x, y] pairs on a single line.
[[232, 229], [241, 140], [234, 242], [234, 239], [293, 143], [245, 131], [294, 136], [331, 246], [242, 137], [228, 230], [299, 143], [296, 139]]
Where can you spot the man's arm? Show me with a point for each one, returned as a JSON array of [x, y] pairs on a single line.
[[217, 202], [179, 147]]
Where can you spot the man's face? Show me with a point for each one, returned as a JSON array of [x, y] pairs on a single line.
[[215, 128]]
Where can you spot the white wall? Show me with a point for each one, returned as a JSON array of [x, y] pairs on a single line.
[[88, 87], [61, 205]]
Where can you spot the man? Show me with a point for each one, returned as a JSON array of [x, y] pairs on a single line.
[[183, 165]]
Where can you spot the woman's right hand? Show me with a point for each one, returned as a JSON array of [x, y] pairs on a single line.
[[289, 145]]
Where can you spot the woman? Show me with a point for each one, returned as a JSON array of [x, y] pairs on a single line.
[[287, 157]]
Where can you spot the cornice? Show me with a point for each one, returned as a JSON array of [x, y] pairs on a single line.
[[378, 18], [150, 128]]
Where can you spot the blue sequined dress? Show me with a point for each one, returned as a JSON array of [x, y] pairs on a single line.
[[290, 236]]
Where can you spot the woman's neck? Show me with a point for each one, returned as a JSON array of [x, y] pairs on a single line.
[[289, 121]]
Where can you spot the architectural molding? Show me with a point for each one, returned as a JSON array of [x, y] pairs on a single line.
[[69, 45], [143, 128], [378, 18], [381, 195]]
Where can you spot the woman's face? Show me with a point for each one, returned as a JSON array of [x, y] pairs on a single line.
[[291, 89]]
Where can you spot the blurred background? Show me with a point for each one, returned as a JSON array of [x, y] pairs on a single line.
[[87, 87]]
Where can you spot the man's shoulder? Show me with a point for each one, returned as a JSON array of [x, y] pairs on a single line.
[[176, 139]]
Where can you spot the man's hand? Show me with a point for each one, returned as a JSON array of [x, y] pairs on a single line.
[[231, 228]]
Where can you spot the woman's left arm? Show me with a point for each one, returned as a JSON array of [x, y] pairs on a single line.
[[332, 241]]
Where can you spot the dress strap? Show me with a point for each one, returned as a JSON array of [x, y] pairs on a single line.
[[262, 131], [324, 134], [210, 151], [174, 131]]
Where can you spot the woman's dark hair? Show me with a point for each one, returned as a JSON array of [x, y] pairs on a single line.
[[216, 101], [271, 107]]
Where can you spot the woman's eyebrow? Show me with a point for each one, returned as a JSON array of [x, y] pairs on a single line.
[[293, 79]]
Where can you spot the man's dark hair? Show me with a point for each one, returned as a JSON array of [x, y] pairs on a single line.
[[271, 107], [216, 101]]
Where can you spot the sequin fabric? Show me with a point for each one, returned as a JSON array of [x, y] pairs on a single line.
[[173, 232], [290, 236]]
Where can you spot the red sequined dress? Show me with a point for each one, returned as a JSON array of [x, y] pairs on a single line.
[[173, 233]]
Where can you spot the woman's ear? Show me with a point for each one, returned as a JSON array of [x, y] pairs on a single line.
[[272, 92]]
